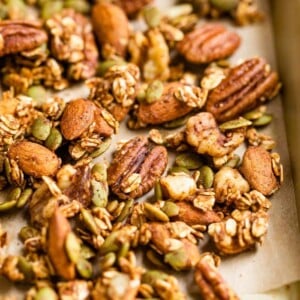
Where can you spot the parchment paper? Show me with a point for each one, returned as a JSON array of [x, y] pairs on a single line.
[[277, 261]]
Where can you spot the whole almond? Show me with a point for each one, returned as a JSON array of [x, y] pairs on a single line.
[[34, 159], [257, 169], [59, 228], [111, 27], [77, 117]]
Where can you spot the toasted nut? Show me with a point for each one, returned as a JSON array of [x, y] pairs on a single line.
[[131, 7], [111, 27], [194, 216], [208, 43], [59, 228], [257, 169], [34, 159]]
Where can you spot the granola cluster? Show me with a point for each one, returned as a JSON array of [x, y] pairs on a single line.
[[85, 218]]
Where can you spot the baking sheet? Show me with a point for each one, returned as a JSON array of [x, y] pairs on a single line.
[[277, 261]]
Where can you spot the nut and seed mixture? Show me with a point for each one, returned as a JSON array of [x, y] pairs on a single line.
[[85, 218]]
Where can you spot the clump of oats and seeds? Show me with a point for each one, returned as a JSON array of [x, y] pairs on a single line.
[[84, 221]]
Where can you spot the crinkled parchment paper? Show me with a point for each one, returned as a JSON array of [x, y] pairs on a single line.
[[277, 261]]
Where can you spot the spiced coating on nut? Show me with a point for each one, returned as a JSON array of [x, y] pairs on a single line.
[[257, 169], [245, 87], [165, 109], [34, 159], [132, 7], [203, 134], [139, 157], [17, 36], [208, 43]]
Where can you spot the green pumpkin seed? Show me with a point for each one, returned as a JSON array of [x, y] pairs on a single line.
[[7, 205], [54, 140], [99, 172], [46, 293], [150, 277], [104, 66], [108, 260], [84, 268], [126, 210], [50, 8], [224, 5], [176, 123], [125, 247], [155, 259], [38, 93], [177, 169], [102, 148], [41, 129], [16, 9], [263, 120], [14, 194], [152, 16], [177, 259], [87, 252], [112, 206], [170, 209], [158, 191], [188, 160], [89, 221], [72, 247], [234, 124], [25, 267], [154, 213], [27, 232], [233, 162], [154, 91], [80, 6], [100, 193], [24, 197], [206, 177], [253, 114], [110, 244]]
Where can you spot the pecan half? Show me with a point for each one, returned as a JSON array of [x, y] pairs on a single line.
[[211, 283], [135, 168], [17, 36], [111, 27], [245, 87], [257, 169], [59, 228], [169, 106], [34, 159], [208, 43]]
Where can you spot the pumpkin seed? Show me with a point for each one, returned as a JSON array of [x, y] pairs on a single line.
[[38, 93], [170, 209], [27, 232], [24, 197], [154, 91], [177, 259], [7, 205], [177, 169], [73, 248], [87, 252], [102, 148], [105, 65], [152, 16], [176, 123], [176, 11], [125, 247], [100, 193], [263, 120], [225, 5], [158, 191], [206, 177], [14, 194], [234, 124], [41, 128], [233, 162], [84, 268], [126, 210], [150, 277], [254, 114], [154, 213], [99, 172], [80, 6], [188, 160], [25, 267], [108, 260], [54, 140], [110, 244], [50, 8], [89, 221], [45, 293], [155, 258]]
